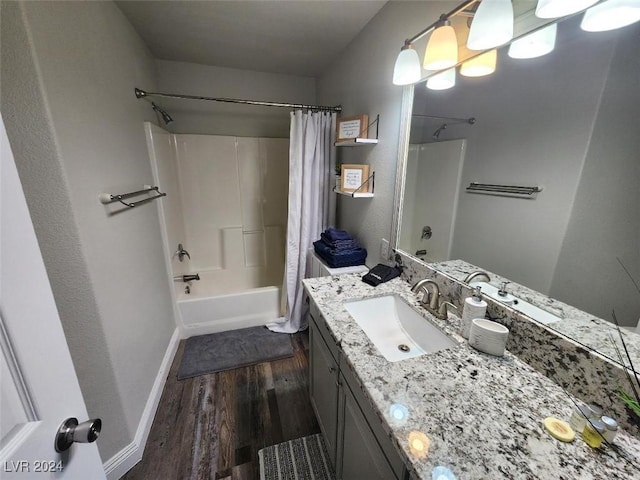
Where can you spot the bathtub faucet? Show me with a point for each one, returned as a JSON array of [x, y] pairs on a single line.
[[186, 278]]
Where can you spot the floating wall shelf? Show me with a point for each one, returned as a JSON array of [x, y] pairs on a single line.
[[356, 193], [356, 142], [361, 141]]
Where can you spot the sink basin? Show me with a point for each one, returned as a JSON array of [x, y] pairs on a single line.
[[523, 306], [396, 329]]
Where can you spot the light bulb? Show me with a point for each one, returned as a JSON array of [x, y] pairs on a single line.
[[443, 80], [561, 8], [492, 25], [611, 15], [484, 64], [442, 49], [535, 44], [407, 68]]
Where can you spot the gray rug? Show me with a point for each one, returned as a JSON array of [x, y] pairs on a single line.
[[300, 459], [236, 348]]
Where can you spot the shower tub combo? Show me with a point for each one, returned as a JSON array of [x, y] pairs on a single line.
[[217, 304], [227, 205]]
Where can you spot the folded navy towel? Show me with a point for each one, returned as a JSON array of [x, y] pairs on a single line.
[[339, 244], [322, 246], [337, 234], [349, 260], [339, 259]]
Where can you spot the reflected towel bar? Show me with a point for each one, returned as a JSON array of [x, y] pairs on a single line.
[[108, 198], [505, 189]]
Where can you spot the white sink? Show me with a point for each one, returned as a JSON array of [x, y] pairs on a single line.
[[396, 329], [532, 311]]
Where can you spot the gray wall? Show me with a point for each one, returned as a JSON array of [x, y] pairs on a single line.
[[605, 222], [76, 129], [360, 79], [224, 118]]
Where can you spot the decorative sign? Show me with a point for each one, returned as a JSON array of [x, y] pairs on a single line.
[[353, 127], [353, 177]]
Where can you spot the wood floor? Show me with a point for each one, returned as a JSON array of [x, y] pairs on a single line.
[[212, 426]]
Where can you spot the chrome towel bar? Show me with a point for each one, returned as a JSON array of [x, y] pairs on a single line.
[[504, 189], [109, 198]]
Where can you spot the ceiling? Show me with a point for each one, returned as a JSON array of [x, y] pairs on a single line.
[[289, 37]]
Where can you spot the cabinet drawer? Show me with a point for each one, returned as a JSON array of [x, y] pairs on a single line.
[[323, 330]]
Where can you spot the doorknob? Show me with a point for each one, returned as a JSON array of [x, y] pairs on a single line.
[[70, 431]]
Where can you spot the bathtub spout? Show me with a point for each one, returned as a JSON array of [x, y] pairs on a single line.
[[186, 278]]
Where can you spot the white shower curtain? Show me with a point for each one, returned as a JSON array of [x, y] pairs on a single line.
[[311, 159]]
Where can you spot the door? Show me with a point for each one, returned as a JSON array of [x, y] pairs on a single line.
[[362, 457], [38, 385]]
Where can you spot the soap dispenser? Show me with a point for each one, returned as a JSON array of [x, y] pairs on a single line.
[[474, 307]]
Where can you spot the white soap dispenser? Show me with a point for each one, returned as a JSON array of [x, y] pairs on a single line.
[[474, 307]]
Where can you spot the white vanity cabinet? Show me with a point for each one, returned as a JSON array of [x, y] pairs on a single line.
[[358, 445]]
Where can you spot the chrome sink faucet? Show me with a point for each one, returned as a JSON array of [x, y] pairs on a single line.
[[478, 273], [431, 298]]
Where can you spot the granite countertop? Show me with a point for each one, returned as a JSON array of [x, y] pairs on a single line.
[[585, 328], [482, 414]]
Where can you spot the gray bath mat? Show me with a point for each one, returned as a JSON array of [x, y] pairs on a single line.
[[236, 348], [300, 459]]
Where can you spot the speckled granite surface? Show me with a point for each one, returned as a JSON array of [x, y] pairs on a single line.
[[589, 330], [483, 415], [585, 373]]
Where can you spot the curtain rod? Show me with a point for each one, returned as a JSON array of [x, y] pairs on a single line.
[[141, 94]]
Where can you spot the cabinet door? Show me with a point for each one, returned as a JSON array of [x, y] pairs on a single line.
[[362, 457], [323, 389]]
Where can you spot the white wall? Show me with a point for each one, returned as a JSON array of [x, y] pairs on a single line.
[[198, 117], [68, 73], [605, 222], [360, 80]]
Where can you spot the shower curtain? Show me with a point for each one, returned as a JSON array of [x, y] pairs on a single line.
[[311, 157]]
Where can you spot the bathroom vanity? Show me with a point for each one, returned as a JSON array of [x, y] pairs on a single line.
[[476, 415]]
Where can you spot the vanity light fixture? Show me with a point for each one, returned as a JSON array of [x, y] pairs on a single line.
[[492, 25], [535, 44], [483, 64], [611, 15], [407, 68], [561, 8], [404, 70], [442, 80], [442, 48]]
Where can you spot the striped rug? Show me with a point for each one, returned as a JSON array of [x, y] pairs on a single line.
[[304, 458]]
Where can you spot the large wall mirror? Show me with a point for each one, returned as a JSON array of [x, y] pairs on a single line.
[[569, 122]]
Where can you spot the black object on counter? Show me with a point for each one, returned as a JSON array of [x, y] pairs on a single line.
[[380, 274]]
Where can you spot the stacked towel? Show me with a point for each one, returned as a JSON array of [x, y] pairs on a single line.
[[338, 249]]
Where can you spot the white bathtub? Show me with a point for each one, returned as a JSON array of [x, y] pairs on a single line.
[[222, 301]]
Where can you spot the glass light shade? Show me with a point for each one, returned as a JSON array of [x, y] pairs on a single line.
[[611, 15], [535, 44], [484, 64], [407, 69], [443, 80], [561, 8], [492, 25], [442, 49]]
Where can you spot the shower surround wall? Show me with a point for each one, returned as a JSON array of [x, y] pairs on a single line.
[[229, 210]]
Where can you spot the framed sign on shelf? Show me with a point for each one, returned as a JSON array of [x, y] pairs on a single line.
[[353, 176], [355, 126]]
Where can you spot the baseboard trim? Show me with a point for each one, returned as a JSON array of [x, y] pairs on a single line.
[[126, 459]]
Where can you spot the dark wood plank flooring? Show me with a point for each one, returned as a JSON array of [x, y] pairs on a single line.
[[212, 426]]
